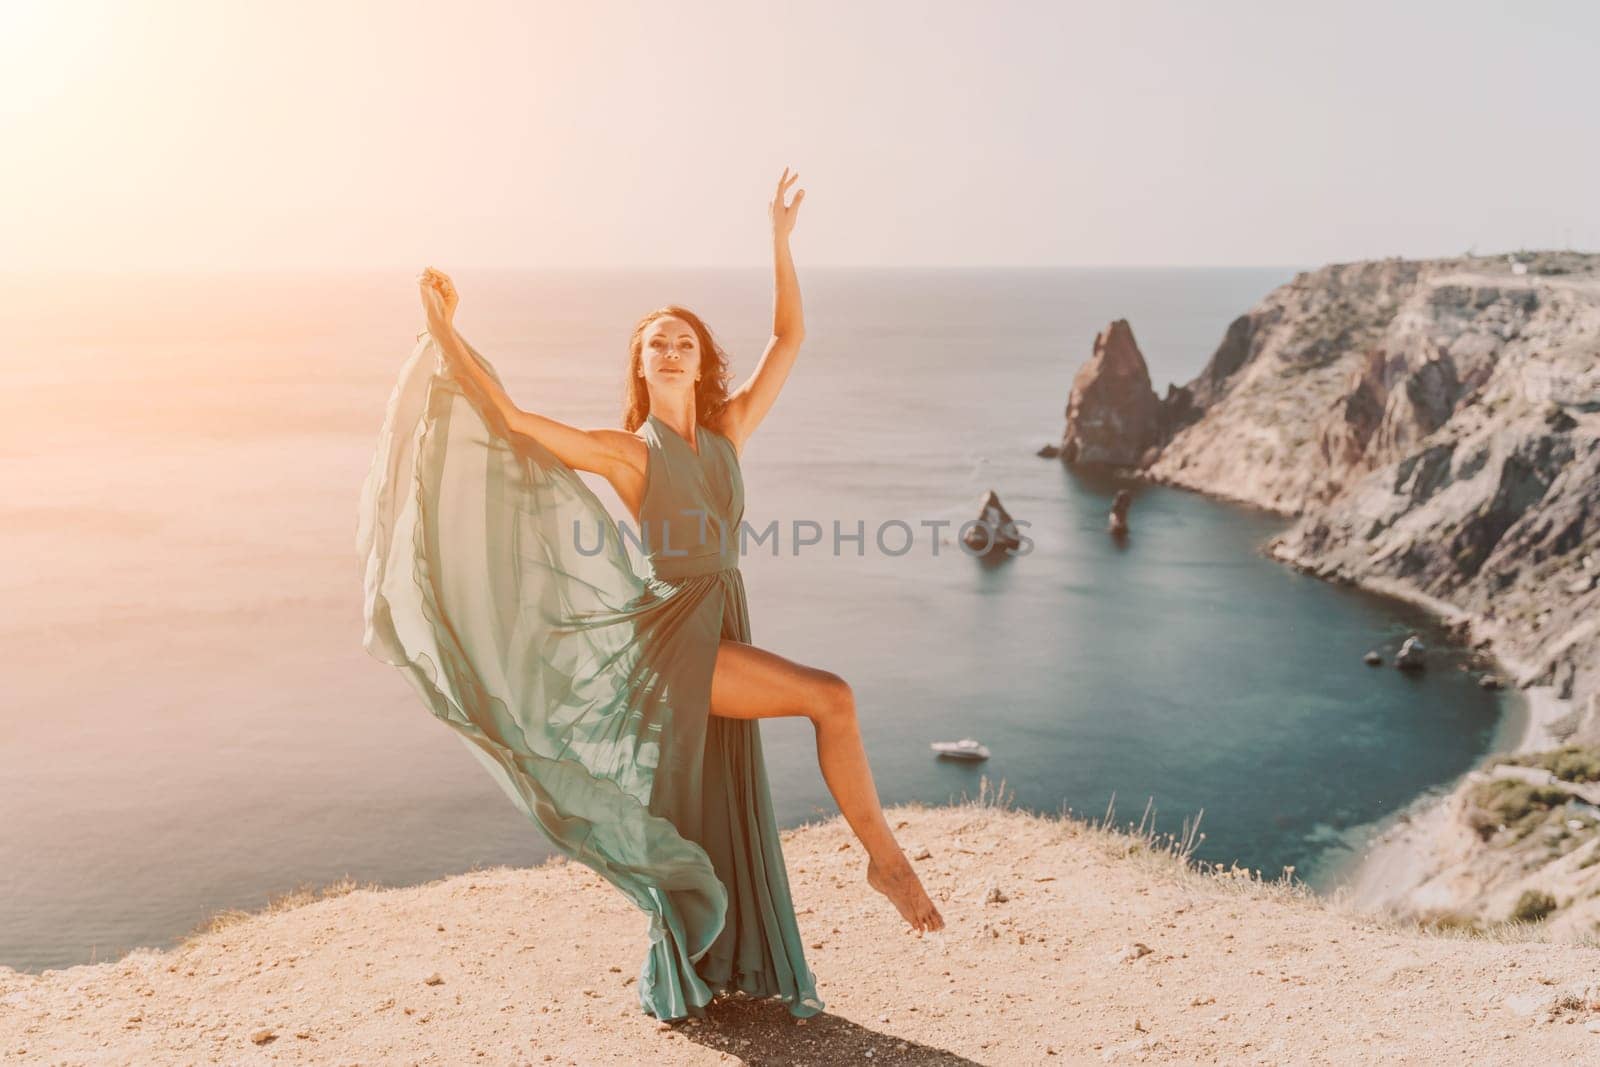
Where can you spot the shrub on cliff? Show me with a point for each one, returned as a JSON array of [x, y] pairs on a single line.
[[1574, 763], [1533, 906], [1505, 803], [1570, 763]]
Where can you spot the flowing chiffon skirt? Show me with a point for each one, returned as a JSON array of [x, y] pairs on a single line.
[[582, 687]]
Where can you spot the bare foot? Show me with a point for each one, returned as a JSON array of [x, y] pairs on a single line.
[[899, 882]]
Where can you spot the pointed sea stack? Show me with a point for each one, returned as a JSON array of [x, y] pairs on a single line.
[[1114, 417], [993, 531]]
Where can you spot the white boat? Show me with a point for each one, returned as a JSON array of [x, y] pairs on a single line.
[[966, 748]]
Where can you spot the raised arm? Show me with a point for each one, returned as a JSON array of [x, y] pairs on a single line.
[[749, 403], [602, 451]]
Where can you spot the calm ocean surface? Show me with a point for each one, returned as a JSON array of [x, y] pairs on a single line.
[[191, 724]]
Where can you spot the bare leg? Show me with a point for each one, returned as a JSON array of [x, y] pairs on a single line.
[[752, 683]]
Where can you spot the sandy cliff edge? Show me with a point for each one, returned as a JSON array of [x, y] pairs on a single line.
[[1102, 950]]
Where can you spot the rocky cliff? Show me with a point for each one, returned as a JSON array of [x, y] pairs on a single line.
[[1434, 429]]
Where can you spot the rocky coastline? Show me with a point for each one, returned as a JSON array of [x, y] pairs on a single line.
[[1432, 428]]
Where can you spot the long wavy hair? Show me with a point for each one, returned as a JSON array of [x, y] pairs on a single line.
[[710, 392]]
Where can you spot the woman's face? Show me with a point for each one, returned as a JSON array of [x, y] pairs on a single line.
[[670, 357]]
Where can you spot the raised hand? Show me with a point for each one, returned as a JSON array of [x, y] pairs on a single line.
[[438, 297], [783, 215]]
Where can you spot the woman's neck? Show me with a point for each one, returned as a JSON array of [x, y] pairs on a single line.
[[679, 415]]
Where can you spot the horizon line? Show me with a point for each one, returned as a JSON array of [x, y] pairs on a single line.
[[6, 271]]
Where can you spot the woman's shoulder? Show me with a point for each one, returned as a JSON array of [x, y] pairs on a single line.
[[617, 436], [646, 430]]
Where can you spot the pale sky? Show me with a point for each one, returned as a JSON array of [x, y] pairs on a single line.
[[236, 135]]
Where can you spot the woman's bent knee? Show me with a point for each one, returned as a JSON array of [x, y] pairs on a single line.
[[834, 701]]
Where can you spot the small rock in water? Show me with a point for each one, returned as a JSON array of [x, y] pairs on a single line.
[[1372, 659], [994, 531], [1413, 654], [1490, 681], [1049, 452], [1117, 525]]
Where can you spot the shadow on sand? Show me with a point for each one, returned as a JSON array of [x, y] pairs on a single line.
[[762, 1033]]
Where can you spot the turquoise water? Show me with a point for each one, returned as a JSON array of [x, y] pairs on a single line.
[[192, 725]]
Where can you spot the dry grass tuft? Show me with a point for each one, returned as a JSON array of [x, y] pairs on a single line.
[[1171, 857], [1167, 855], [297, 897]]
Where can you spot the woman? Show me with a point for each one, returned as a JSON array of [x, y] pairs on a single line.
[[618, 711]]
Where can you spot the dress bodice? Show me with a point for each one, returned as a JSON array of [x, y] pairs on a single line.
[[693, 504]]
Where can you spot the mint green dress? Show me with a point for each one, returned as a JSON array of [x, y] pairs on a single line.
[[501, 587]]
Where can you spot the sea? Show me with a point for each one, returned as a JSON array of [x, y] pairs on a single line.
[[190, 723]]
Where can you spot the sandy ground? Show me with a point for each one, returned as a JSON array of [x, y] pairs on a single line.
[[1096, 948]]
